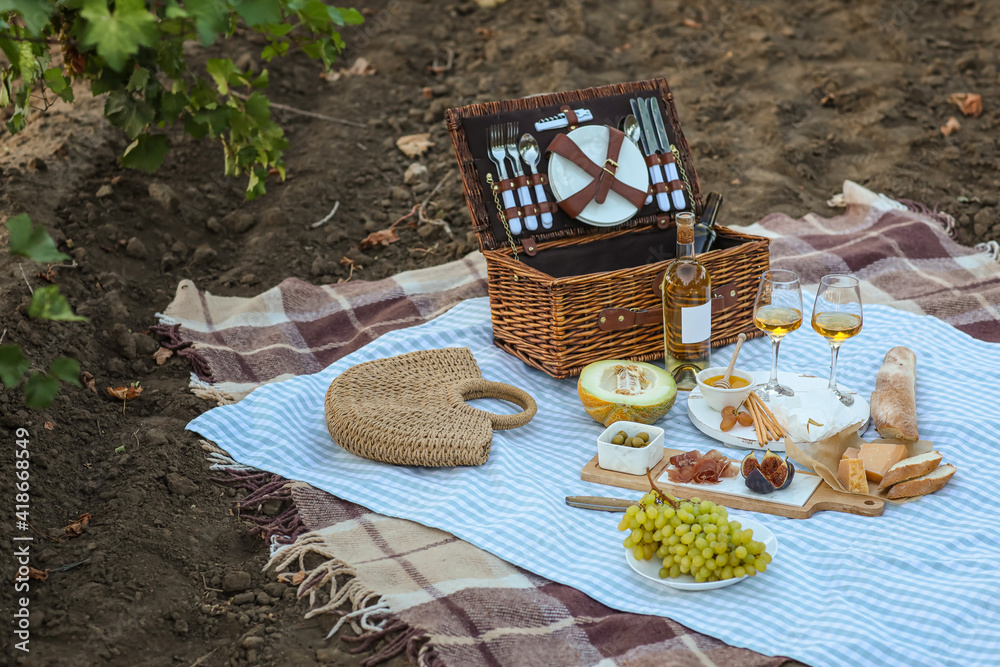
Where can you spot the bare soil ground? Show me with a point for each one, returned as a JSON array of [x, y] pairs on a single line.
[[781, 102]]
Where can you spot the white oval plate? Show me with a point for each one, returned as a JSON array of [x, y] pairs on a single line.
[[650, 569], [707, 420], [565, 178]]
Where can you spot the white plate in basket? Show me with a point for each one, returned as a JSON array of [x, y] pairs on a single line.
[[707, 420], [650, 569], [565, 178]]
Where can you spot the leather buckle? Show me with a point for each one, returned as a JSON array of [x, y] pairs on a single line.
[[613, 164]]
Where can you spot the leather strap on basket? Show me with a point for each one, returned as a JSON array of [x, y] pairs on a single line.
[[470, 389], [605, 176], [623, 319], [571, 118]]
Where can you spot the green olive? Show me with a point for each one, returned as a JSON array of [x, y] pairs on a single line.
[[644, 436], [618, 440]]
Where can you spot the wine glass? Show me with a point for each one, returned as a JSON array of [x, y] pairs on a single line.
[[777, 312], [837, 317]]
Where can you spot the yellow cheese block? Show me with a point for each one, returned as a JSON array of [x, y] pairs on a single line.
[[878, 457], [852, 475], [851, 453]]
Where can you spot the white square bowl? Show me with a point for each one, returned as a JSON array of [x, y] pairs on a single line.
[[629, 460]]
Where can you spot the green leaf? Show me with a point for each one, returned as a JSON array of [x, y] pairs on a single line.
[[146, 152], [35, 13], [259, 82], [351, 16], [48, 304], [258, 108], [128, 113], [40, 390], [259, 12], [118, 36], [13, 365], [58, 84], [221, 69], [66, 369], [32, 242], [138, 80], [211, 18]]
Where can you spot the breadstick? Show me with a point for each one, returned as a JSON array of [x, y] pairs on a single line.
[[756, 422], [770, 424]]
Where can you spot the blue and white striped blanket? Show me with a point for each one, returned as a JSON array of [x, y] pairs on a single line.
[[919, 585]]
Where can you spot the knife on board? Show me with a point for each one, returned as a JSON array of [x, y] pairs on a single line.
[[640, 111], [600, 504], [666, 147]]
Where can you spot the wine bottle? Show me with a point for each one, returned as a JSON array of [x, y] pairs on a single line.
[[687, 310], [704, 231]]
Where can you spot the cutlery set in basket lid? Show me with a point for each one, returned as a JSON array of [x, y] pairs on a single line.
[[573, 197]]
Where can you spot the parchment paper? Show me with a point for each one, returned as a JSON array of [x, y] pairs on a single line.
[[824, 456]]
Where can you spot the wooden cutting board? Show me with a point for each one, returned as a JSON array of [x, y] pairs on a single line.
[[823, 498]]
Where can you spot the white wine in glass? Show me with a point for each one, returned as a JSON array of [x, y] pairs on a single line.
[[837, 316], [777, 312]]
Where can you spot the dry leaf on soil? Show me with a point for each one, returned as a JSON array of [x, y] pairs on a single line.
[[382, 237], [75, 529], [35, 573], [88, 381], [125, 393], [298, 577], [414, 144], [971, 104], [951, 127], [489, 4], [161, 355], [48, 426], [691, 23], [361, 67]]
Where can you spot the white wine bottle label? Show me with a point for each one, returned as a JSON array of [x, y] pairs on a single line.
[[696, 323]]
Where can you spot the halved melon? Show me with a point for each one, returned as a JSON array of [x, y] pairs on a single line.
[[614, 390]]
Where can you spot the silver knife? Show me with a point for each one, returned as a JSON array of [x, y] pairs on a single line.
[[600, 504], [666, 147], [649, 140], [644, 139]]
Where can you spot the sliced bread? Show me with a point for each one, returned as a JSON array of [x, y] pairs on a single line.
[[915, 466], [924, 484]]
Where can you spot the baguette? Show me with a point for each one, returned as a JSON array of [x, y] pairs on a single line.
[[915, 466], [894, 401], [924, 484]]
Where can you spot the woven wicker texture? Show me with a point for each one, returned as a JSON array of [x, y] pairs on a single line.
[[411, 409], [551, 322]]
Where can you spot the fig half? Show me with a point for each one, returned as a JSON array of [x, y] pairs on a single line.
[[749, 464], [757, 483]]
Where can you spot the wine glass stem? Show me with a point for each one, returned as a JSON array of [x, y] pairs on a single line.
[[775, 342], [834, 351]]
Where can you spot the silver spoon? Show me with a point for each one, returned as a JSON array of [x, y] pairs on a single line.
[[630, 126], [530, 153], [724, 382]]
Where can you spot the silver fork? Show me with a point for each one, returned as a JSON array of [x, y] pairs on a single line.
[[498, 153], [523, 193]]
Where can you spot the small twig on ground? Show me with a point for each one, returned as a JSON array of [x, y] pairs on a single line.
[[209, 588], [311, 114], [434, 68], [204, 657], [38, 532], [3, 335], [422, 209], [136, 436], [30, 288], [72, 265], [361, 146], [328, 217]]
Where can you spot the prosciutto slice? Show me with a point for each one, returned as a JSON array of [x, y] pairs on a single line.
[[697, 468]]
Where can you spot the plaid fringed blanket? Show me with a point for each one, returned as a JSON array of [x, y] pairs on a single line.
[[436, 598]]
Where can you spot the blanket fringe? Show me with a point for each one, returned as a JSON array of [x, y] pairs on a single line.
[[991, 249], [210, 392], [264, 487], [370, 617], [182, 348], [944, 219]]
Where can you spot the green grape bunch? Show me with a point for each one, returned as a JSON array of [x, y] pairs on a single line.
[[133, 52], [694, 537]]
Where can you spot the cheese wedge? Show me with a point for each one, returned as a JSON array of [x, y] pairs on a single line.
[[852, 475], [879, 457], [851, 453]]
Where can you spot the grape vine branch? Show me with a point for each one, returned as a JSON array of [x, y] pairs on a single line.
[[133, 52]]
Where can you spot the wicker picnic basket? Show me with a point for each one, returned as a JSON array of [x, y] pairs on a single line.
[[574, 294]]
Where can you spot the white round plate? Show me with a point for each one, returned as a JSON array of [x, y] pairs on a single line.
[[707, 420], [650, 569], [565, 178]]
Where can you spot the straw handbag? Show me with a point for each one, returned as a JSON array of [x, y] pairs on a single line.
[[411, 410]]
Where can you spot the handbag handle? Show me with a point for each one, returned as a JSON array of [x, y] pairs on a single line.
[[473, 388]]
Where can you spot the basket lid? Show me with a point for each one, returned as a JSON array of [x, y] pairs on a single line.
[[469, 129]]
